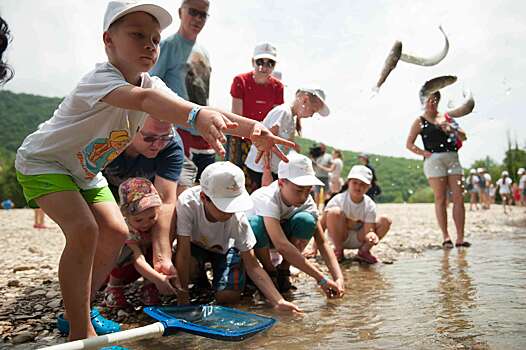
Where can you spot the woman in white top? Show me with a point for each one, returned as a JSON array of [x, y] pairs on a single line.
[[335, 179], [504, 186]]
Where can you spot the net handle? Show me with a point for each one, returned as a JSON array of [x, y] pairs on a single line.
[[151, 331]]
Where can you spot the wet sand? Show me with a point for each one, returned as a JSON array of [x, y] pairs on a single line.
[[29, 283]]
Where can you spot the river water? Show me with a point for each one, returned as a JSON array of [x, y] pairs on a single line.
[[469, 298]]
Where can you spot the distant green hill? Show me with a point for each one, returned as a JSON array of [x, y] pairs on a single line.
[[401, 179], [20, 114]]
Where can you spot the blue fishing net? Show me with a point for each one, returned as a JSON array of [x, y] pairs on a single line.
[[212, 321]]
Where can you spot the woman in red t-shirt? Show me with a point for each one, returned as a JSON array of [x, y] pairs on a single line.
[[254, 94]]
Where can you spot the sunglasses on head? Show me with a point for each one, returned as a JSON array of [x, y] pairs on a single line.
[[153, 139], [265, 62], [197, 13]]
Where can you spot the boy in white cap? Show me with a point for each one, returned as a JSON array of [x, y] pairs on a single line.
[[350, 217], [504, 187], [285, 121], [59, 165], [285, 217], [212, 227]]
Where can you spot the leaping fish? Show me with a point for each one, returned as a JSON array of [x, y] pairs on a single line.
[[465, 107], [390, 63], [429, 61], [396, 54], [435, 84]]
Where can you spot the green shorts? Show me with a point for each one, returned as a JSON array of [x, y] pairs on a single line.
[[36, 186]]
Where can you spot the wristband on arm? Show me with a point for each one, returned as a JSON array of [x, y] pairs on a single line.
[[323, 281], [192, 116]]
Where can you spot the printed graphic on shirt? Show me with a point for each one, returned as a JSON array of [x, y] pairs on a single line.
[[101, 151]]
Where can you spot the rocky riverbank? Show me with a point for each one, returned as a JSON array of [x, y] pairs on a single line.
[[30, 291]]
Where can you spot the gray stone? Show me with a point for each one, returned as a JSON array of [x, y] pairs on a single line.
[[38, 292], [13, 283], [54, 304], [23, 337], [23, 268], [52, 294]]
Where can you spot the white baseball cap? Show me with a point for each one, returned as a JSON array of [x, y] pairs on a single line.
[[265, 50], [298, 170], [521, 171], [320, 94], [118, 9], [505, 173], [224, 184], [362, 173], [472, 171], [480, 170]]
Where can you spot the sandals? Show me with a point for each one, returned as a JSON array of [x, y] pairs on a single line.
[[465, 244], [447, 244], [102, 325]]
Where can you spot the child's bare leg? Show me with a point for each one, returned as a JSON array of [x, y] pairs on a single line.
[[113, 232], [337, 229], [70, 211], [383, 224]]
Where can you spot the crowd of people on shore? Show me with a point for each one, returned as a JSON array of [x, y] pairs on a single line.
[[137, 129]]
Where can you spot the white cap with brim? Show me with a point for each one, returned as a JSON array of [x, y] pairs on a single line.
[[521, 171], [265, 50], [298, 170], [224, 184], [320, 94], [362, 173], [118, 9]]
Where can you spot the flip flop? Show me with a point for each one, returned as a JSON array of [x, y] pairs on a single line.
[[447, 244], [463, 244], [102, 325]]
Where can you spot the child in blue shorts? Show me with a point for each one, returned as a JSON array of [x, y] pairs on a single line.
[[59, 166], [212, 227], [286, 217]]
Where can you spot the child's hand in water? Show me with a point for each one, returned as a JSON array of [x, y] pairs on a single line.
[[331, 289], [164, 285], [284, 305]]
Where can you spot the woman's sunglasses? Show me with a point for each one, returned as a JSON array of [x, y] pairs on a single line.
[[265, 62]]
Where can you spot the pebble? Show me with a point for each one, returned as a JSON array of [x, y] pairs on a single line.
[[52, 294], [13, 283], [54, 304], [23, 337], [23, 268]]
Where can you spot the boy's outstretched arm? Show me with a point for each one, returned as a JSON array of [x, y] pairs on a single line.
[[260, 277], [210, 124], [330, 259], [162, 282]]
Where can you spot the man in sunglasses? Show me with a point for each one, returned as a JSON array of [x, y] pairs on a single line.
[[156, 153], [185, 68], [254, 94]]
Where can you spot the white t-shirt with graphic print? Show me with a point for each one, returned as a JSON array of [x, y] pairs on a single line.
[[85, 134], [217, 237]]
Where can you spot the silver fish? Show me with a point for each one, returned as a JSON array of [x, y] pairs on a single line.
[[465, 107], [428, 61], [435, 84], [390, 63]]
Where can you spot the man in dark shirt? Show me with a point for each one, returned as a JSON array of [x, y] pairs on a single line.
[[156, 153]]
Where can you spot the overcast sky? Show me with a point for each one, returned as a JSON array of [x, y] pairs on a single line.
[[339, 45]]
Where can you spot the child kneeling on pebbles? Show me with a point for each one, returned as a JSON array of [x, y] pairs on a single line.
[[350, 217], [286, 217], [140, 205], [212, 227]]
